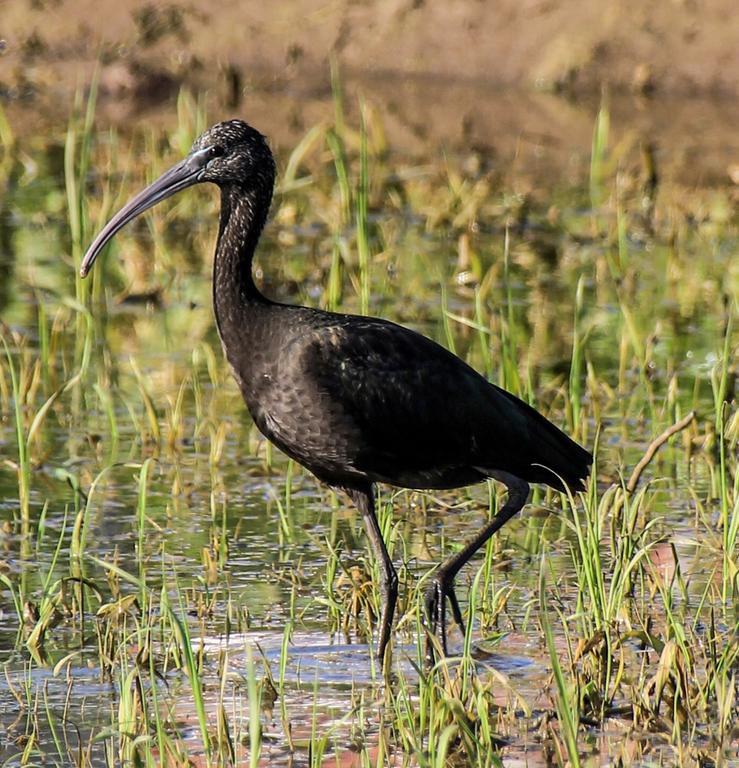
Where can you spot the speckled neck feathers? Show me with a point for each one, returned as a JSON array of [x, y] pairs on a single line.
[[235, 296]]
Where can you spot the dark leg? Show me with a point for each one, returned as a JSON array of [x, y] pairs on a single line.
[[442, 583], [365, 501]]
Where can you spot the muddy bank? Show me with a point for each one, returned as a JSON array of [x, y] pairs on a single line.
[[519, 81], [680, 47]]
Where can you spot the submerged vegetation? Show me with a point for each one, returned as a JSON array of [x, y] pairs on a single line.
[[174, 591]]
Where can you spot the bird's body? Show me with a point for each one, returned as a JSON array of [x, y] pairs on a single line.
[[356, 400], [359, 399]]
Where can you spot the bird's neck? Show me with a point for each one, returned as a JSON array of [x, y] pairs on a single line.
[[235, 296]]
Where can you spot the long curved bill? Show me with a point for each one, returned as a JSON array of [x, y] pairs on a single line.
[[180, 176]]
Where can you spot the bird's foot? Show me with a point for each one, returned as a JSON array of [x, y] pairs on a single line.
[[438, 592]]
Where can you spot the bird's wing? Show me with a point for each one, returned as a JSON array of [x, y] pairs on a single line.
[[387, 402]]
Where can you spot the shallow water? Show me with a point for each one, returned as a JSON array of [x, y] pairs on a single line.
[[154, 386]]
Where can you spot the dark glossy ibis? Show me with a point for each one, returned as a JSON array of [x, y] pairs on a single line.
[[356, 400]]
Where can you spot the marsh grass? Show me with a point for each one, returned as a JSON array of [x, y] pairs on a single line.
[[175, 581]]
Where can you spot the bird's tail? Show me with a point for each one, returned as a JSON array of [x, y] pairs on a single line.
[[552, 457]]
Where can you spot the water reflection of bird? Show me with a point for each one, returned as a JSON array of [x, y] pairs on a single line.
[[356, 400]]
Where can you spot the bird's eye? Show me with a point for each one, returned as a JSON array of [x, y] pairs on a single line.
[[216, 151]]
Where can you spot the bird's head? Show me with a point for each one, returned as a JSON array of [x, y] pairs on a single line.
[[231, 153]]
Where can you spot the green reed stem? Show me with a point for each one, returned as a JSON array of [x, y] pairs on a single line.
[[362, 204], [567, 709], [193, 673], [23, 468]]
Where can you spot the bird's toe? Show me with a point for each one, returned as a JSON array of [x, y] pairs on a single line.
[[435, 603]]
